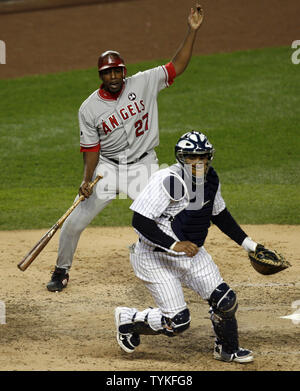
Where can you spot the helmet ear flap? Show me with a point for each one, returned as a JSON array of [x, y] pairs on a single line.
[[179, 156]]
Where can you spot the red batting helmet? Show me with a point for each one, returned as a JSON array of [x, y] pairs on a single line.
[[110, 59]]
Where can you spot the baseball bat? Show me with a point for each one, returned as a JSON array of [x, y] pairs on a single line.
[[34, 252]]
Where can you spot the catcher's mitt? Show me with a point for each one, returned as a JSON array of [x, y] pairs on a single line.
[[267, 261]]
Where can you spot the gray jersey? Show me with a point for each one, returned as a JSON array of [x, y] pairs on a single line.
[[127, 126]]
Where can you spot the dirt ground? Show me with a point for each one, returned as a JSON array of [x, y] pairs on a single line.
[[72, 38], [74, 330]]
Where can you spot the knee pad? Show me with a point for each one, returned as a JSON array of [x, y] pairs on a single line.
[[176, 325], [223, 301]]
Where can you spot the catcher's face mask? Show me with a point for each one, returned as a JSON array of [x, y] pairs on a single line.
[[199, 164], [194, 145], [194, 152]]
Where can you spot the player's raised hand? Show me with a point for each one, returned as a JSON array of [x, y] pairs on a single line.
[[195, 18], [187, 247]]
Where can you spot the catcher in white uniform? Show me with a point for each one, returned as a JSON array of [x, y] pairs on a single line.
[[171, 217], [118, 133]]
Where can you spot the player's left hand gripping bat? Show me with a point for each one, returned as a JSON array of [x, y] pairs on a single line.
[[34, 252]]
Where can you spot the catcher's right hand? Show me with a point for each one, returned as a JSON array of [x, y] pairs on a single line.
[[187, 247], [267, 261]]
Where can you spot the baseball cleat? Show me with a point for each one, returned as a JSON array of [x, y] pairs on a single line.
[[59, 280], [241, 356], [127, 341]]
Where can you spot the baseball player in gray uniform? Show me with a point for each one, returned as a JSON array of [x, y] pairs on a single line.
[[170, 251], [118, 133]]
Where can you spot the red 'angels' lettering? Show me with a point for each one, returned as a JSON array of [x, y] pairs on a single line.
[[139, 125], [113, 121], [126, 112], [132, 110], [105, 127]]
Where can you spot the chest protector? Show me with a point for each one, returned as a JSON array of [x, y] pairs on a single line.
[[193, 225]]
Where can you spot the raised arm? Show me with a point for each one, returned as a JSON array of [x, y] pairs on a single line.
[[184, 53]]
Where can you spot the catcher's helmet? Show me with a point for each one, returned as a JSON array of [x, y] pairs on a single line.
[[193, 143], [110, 59]]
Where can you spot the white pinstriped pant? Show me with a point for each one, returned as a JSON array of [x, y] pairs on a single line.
[[164, 274]]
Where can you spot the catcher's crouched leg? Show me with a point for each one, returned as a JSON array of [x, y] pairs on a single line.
[[131, 323], [223, 302], [223, 305], [152, 322]]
